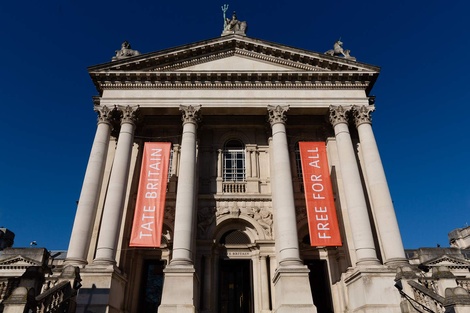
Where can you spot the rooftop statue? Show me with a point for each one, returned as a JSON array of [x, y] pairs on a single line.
[[339, 51], [125, 52], [233, 26]]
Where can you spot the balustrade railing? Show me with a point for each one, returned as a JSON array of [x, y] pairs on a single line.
[[233, 187], [427, 299], [55, 299]]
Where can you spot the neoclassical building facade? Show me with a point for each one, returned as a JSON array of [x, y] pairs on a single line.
[[235, 223]]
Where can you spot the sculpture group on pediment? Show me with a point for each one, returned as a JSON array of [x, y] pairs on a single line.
[[125, 52], [339, 51], [233, 25]]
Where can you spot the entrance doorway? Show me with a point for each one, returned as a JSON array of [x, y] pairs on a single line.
[[235, 286], [152, 286], [319, 284]]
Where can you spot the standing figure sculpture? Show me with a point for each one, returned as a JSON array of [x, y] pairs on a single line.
[[339, 51], [233, 25]]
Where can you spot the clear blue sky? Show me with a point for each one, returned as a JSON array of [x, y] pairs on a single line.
[[421, 121]]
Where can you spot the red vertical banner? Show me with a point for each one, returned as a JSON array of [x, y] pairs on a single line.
[[149, 208], [321, 211]]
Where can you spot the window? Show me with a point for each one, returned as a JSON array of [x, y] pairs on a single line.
[[234, 161]]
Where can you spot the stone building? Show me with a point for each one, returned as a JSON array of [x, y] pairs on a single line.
[[237, 217], [235, 236]]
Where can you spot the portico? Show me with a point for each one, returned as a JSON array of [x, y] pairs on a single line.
[[234, 110]]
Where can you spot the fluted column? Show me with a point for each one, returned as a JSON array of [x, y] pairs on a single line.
[[185, 196], [386, 220], [114, 204], [355, 199], [292, 288], [282, 190], [91, 188]]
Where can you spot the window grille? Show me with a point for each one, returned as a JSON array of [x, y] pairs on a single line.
[[234, 161]]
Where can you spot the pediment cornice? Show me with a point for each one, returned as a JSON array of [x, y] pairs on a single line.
[[17, 262], [168, 68], [449, 261]]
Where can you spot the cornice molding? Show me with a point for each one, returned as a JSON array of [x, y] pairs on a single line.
[[234, 80], [166, 69]]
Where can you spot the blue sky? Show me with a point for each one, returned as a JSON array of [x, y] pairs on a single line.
[[421, 121]]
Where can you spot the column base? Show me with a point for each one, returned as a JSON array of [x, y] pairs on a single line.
[[292, 289], [371, 290], [103, 290], [397, 262], [180, 293], [75, 262]]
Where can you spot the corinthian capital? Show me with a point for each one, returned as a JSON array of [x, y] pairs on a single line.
[[191, 114], [104, 114], [277, 114], [338, 115], [128, 114], [362, 114]]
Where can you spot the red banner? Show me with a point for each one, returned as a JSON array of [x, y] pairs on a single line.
[[149, 208], [321, 212]]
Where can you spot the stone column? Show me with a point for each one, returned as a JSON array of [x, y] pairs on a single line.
[[114, 204], [291, 277], [219, 180], [264, 284], [180, 289], [91, 188], [284, 207], [386, 220], [185, 194], [248, 162], [355, 199]]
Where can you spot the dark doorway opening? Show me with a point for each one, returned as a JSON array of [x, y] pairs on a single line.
[[235, 291], [320, 285], [152, 286]]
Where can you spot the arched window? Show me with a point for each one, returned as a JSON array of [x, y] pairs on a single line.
[[234, 161]]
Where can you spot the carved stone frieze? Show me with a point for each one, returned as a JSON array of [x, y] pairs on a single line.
[[190, 114], [205, 218], [263, 217], [277, 114], [338, 115], [362, 114]]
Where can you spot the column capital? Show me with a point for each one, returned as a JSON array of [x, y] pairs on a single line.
[[362, 114], [338, 115], [191, 114], [277, 114], [129, 114], [104, 114]]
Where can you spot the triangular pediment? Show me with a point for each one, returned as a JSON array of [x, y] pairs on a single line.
[[448, 261], [237, 63], [18, 262], [234, 58], [220, 52]]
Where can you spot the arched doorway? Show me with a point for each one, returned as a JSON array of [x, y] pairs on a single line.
[[235, 282]]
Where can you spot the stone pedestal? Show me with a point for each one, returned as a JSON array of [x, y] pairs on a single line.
[[180, 292], [102, 290], [292, 290], [371, 290]]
